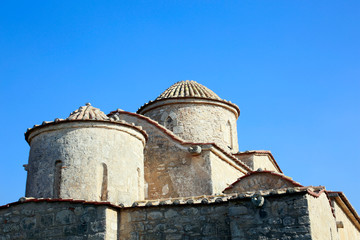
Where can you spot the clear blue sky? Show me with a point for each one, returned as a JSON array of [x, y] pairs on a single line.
[[292, 67]]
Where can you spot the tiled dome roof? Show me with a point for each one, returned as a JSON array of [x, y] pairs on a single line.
[[188, 88], [183, 90], [87, 112]]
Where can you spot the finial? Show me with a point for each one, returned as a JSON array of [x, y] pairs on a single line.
[[88, 104]]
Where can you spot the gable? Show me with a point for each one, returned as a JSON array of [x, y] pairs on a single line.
[[264, 180]]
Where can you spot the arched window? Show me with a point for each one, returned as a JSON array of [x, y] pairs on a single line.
[[57, 179], [104, 185], [169, 123]]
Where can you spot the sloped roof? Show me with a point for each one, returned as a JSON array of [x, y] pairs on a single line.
[[345, 205], [114, 117], [191, 200], [260, 152]]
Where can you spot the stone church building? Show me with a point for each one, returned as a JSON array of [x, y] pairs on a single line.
[[171, 171]]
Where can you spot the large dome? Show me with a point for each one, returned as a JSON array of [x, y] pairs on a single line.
[[188, 88]]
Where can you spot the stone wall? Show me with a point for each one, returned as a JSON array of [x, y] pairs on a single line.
[[257, 160], [55, 220], [222, 173], [323, 224], [200, 122], [287, 215], [175, 222], [348, 231], [172, 171], [281, 217]]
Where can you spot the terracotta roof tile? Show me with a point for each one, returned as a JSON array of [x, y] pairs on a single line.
[[204, 199], [87, 112], [188, 88]]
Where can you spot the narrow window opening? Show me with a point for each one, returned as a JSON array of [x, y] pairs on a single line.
[[229, 137], [139, 183], [169, 123], [104, 185], [57, 179]]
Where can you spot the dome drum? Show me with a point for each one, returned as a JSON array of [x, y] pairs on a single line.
[[196, 114], [86, 159]]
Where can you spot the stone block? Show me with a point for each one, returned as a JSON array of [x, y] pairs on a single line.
[[208, 229], [27, 212], [174, 237], [98, 226], [304, 220], [138, 216], [154, 215], [65, 217], [97, 236], [82, 228], [47, 220], [70, 230], [89, 215], [190, 211], [28, 223], [237, 210], [171, 214]]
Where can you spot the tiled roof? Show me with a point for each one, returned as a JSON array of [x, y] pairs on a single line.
[[346, 206], [188, 88], [204, 199], [87, 112], [208, 199], [266, 152]]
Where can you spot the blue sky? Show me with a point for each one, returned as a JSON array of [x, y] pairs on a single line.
[[292, 67]]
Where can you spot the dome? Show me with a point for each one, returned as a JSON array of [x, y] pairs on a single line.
[[188, 88], [87, 112], [83, 113], [185, 91]]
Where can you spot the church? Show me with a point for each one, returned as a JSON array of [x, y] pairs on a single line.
[[170, 171]]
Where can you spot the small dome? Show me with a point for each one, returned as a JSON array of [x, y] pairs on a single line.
[[188, 88], [87, 112]]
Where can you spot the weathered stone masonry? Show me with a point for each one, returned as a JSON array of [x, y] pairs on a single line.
[[171, 171], [283, 215], [53, 220]]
